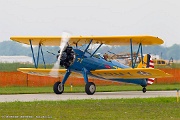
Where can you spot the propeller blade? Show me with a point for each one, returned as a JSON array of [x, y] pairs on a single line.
[[64, 41], [63, 44]]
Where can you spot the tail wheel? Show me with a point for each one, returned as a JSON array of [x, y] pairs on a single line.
[[58, 88], [144, 90], [90, 88]]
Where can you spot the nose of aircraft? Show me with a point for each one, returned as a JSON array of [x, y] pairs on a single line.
[[67, 57]]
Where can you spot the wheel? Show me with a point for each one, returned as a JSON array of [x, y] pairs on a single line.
[[58, 88], [144, 90], [90, 88]]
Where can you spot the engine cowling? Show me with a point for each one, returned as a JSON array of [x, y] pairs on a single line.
[[67, 57]]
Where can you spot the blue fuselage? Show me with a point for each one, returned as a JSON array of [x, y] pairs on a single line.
[[86, 61]]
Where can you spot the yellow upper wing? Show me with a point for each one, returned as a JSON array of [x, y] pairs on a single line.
[[130, 73], [81, 40]]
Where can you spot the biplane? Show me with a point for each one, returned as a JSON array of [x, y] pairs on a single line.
[[82, 63]]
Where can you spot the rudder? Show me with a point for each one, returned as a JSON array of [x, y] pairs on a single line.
[[147, 63]]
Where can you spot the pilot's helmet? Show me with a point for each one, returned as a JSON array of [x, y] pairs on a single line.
[[98, 53]]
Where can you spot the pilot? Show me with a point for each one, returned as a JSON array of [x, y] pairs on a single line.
[[105, 56]]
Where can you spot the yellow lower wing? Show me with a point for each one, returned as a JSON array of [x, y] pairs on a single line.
[[46, 72], [130, 73], [104, 73]]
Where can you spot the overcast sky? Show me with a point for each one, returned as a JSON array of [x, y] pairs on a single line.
[[159, 18]]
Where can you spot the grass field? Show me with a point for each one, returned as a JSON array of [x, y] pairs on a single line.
[[112, 109], [9, 67], [109, 88]]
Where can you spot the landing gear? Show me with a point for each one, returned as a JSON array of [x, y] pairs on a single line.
[[58, 88], [144, 89], [90, 88]]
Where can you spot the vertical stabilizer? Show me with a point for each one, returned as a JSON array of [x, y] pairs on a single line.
[[147, 63]]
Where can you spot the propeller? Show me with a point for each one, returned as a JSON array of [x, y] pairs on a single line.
[[63, 44]]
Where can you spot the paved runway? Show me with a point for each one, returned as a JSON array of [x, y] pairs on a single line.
[[78, 96]]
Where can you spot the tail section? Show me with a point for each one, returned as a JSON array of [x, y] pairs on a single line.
[[151, 65], [147, 63]]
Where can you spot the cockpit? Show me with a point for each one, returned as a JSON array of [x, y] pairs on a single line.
[[99, 56]]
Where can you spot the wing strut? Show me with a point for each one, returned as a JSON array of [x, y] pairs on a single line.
[[131, 53], [43, 58], [36, 62], [88, 45], [133, 62], [97, 49], [141, 54], [33, 54], [140, 46]]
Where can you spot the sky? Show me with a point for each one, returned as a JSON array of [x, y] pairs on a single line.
[[160, 18]]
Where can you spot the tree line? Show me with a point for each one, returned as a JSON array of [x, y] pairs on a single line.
[[11, 48]]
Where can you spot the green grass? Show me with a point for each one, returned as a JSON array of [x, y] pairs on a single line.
[[173, 65], [9, 67], [111, 109], [25, 90], [109, 88]]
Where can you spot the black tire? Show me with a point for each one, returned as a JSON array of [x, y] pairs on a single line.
[[90, 88], [58, 88], [144, 90]]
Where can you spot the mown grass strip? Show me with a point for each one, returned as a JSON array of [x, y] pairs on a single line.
[[10, 67], [114, 109], [76, 89]]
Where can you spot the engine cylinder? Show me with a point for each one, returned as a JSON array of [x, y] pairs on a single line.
[[67, 57]]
